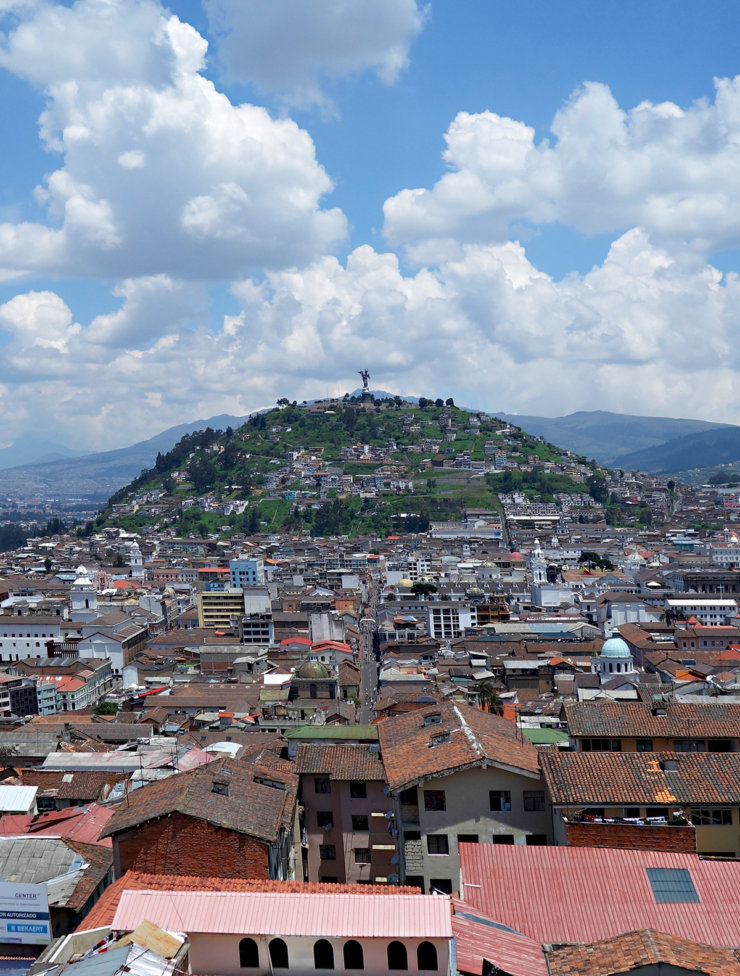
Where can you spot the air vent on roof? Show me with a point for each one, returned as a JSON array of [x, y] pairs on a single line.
[[269, 782], [439, 740], [221, 788], [669, 765], [434, 719], [660, 711]]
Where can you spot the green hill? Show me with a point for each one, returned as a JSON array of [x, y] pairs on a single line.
[[341, 467]]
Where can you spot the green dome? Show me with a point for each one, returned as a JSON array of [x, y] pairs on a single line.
[[615, 647], [313, 670]]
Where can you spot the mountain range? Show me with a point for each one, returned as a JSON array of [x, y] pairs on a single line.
[[653, 444]]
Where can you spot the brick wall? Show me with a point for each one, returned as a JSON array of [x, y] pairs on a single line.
[[184, 845], [630, 836]]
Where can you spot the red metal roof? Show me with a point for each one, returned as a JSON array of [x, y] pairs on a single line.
[[478, 938], [579, 894], [257, 913]]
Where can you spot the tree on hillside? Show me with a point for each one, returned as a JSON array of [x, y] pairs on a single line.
[[449, 402]]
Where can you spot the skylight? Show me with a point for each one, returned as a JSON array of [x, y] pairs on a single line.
[[672, 885]]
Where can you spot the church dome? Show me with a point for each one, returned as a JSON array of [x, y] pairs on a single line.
[[615, 647], [313, 670]]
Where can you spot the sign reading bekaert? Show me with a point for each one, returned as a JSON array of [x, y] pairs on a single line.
[[24, 914]]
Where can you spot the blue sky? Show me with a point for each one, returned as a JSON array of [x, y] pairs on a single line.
[[531, 207]]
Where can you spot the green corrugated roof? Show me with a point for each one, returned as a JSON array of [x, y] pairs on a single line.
[[543, 736], [334, 732]]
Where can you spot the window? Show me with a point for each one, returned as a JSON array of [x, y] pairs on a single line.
[[631, 813], [536, 840], [328, 852], [426, 956], [534, 800], [249, 954], [354, 957], [323, 954], [691, 745], [359, 821], [324, 818], [397, 958], [437, 844], [409, 797], [672, 885], [708, 817], [362, 855], [467, 838], [656, 813], [601, 745], [443, 885], [435, 800], [499, 800], [358, 791], [278, 954], [720, 745], [322, 784], [502, 839], [644, 745]]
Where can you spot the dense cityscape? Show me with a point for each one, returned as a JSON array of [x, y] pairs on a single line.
[[404, 742]]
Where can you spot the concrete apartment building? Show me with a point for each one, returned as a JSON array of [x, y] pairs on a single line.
[[347, 833], [459, 775]]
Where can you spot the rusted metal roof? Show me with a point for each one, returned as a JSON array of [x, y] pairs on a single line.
[[258, 913]]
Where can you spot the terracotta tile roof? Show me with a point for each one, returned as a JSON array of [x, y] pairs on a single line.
[[70, 786], [99, 860], [462, 737], [602, 778], [625, 953], [636, 719], [340, 762], [104, 909], [249, 807]]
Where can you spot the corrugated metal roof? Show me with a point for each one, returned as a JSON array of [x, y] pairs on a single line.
[[258, 913], [477, 938], [17, 799], [579, 894]]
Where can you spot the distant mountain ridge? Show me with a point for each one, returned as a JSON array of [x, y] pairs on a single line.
[[616, 439], [703, 450], [95, 477]]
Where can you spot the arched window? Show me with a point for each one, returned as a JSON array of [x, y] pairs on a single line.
[[354, 957], [323, 955], [279, 954], [249, 954], [426, 956], [397, 958]]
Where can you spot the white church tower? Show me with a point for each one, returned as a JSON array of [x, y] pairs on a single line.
[[538, 564], [83, 599], [136, 563]]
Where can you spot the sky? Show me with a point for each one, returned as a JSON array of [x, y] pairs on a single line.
[[530, 206]]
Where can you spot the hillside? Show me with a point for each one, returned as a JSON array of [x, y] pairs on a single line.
[[610, 437], [704, 450], [343, 467], [93, 477]]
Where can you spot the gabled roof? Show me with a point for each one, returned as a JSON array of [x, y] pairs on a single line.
[[355, 762], [463, 737], [633, 950], [248, 807], [637, 719], [643, 778]]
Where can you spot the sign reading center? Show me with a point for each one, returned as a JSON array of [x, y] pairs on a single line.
[[24, 914]]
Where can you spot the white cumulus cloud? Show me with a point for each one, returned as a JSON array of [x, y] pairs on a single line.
[[673, 171], [161, 173], [290, 46]]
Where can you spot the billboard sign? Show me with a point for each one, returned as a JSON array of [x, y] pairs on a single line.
[[24, 914]]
